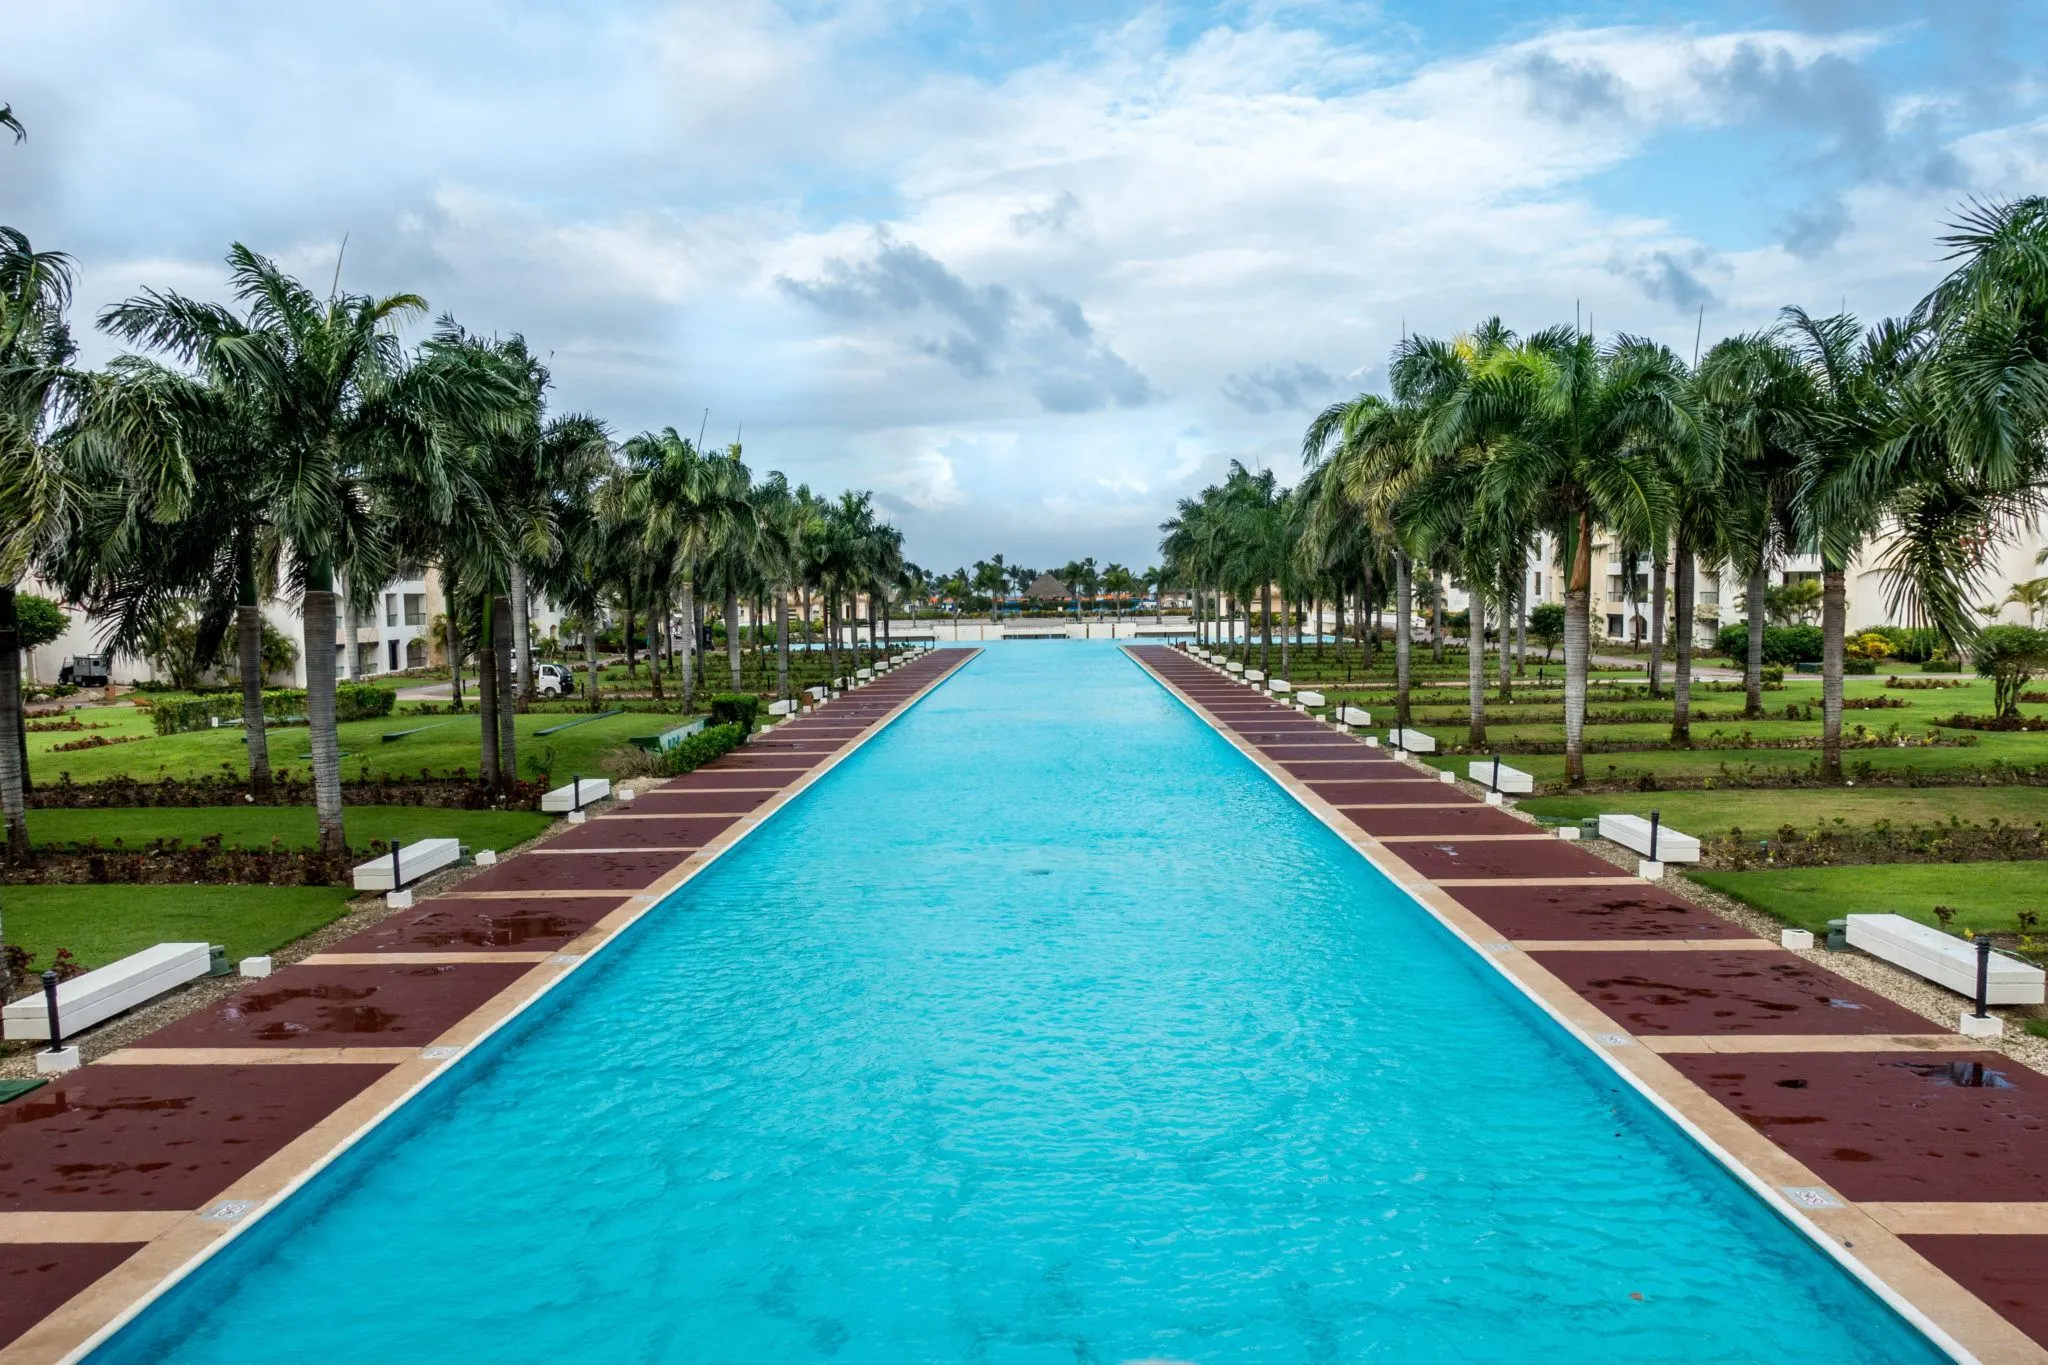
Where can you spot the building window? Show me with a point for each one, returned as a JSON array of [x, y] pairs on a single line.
[[1614, 627], [390, 608], [391, 650], [415, 608], [415, 653]]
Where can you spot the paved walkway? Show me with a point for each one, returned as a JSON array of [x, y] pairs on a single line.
[[116, 1176], [1921, 1158]]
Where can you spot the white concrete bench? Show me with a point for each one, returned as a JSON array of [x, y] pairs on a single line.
[[1945, 959], [1233, 667], [782, 708], [1281, 687], [415, 861], [864, 674], [1352, 715], [816, 694], [1256, 677], [1633, 832], [574, 796], [1414, 741], [101, 994], [1502, 779], [1312, 700]]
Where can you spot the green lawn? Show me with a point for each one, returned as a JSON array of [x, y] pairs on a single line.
[[256, 826], [441, 746], [102, 923], [1694, 765], [1983, 895], [1762, 812]]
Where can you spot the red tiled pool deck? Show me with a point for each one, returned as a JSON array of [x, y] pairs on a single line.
[[1921, 1157], [114, 1178]]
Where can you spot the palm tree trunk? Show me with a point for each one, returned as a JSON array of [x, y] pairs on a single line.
[[13, 772], [1578, 639], [590, 653], [323, 739], [508, 696], [522, 636], [488, 768], [782, 645], [345, 605], [1834, 620], [249, 652], [1340, 627], [1368, 616], [689, 657], [1508, 596], [1286, 659], [1475, 669], [732, 637], [1681, 669], [1266, 628], [1404, 609], [1657, 625], [1436, 618], [1753, 666]]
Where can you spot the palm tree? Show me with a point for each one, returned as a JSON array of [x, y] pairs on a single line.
[[334, 404], [36, 385], [1757, 400], [990, 579], [1578, 430], [137, 550], [1119, 583], [1377, 455], [694, 504]]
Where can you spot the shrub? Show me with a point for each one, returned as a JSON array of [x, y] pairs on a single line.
[[2010, 656], [1910, 644], [735, 708], [1782, 644], [713, 741], [281, 706]]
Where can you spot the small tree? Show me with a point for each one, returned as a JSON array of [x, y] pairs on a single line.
[[1546, 626], [37, 621], [2010, 656]]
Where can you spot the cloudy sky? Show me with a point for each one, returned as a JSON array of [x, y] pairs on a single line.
[[1030, 271]]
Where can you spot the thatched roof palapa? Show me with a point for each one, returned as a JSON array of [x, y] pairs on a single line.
[[1046, 588]]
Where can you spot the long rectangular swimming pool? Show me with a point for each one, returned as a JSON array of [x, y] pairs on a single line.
[[1045, 1028]]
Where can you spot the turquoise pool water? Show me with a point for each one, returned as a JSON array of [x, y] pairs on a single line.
[[1046, 1029]]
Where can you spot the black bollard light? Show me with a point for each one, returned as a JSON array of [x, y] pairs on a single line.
[[397, 878], [576, 791], [57, 1031], [1654, 821], [1983, 978], [1496, 772]]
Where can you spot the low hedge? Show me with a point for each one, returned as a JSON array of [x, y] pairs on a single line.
[[713, 741], [281, 706], [735, 708], [1782, 644]]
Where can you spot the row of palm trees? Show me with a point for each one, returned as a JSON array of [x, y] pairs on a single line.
[[290, 445], [995, 580], [1923, 439]]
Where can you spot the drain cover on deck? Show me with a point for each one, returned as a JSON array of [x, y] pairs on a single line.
[[228, 1211], [1811, 1196]]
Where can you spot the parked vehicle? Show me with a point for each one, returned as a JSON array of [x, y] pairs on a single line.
[[554, 680], [84, 670]]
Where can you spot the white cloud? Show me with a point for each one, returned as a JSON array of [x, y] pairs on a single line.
[[1038, 305]]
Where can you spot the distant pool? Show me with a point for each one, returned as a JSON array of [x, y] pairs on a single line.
[[1045, 1029]]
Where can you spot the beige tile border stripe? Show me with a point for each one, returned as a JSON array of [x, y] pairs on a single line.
[[257, 1056], [1956, 1320], [123, 1226], [102, 1308], [1669, 1044], [1969, 1220], [1645, 945], [418, 959]]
